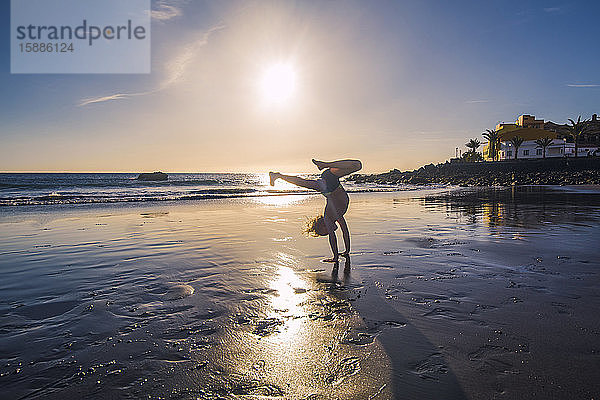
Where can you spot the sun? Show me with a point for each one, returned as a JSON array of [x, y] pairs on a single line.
[[278, 83]]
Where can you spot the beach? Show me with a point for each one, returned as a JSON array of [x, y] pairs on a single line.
[[180, 183], [449, 293]]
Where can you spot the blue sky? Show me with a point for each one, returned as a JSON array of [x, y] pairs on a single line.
[[395, 83]]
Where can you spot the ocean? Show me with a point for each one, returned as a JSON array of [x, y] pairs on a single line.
[[26, 189]]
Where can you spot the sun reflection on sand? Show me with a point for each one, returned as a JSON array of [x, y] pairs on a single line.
[[290, 289], [305, 352]]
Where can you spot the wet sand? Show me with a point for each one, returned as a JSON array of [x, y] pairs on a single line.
[[463, 294]]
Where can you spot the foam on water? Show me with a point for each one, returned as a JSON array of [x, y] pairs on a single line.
[[35, 189]]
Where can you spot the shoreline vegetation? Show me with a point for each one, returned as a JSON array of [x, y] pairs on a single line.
[[563, 171]]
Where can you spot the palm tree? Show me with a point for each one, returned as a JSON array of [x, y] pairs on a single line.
[[493, 138], [543, 143], [472, 155], [517, 141], [473, 144], [577, 130]]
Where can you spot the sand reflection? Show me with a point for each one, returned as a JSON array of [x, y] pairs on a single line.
[[291, 291], [299, 343]]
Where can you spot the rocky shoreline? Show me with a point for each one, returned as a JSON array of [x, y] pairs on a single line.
[[582, 171]]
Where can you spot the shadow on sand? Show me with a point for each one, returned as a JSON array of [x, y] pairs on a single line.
[[419, 369]]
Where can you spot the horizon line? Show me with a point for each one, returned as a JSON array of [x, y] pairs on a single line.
[[172, 172]]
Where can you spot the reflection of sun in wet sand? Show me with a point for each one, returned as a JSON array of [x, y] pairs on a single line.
[[297, 344], [290, 288]]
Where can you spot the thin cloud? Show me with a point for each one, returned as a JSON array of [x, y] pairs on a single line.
[[165, 10], [476, 101], [585, 85], [176, 69], [93, 100], [118, 96], [552, 10]]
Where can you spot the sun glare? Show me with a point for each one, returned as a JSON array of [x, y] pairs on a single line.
[[278, 83]]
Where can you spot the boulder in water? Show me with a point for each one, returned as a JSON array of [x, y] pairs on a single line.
[[153, 176]]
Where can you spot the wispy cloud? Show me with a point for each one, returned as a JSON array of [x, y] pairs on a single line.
[[477, 101], [175, 70], [552, 10], [177, 67], [165, 10], [118, 96], [92, 100], [584, 85]]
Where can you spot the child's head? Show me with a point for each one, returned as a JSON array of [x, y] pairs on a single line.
[[316, 227]]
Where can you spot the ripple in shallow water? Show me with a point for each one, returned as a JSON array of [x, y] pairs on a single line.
[[178, 292], [46, 310]]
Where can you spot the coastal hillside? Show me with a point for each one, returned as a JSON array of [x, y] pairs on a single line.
[[551, 171]]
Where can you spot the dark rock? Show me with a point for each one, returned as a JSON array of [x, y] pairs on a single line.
[[562, 171], [154, 176]]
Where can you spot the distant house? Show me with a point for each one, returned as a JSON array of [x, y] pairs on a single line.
[[527, 127], [559, 147], [529, 121], [531, 129], [501, 126], [523, 121], [557, 128], [529, 149], [591, 138]]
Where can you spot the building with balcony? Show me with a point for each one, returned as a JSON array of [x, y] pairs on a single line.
[[529, 149], [529, 121], [523, 121], [528, 134], [531, 129]]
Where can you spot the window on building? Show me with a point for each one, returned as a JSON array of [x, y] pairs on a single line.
[[538, 152], [525, 152]]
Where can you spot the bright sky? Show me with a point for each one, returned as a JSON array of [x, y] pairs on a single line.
[[267, 85]]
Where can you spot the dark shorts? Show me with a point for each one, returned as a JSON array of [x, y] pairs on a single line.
[[328, 182]]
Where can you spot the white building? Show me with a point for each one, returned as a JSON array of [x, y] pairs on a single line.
[[529, 149]]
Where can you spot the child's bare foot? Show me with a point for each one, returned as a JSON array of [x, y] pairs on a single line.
[[320, 164], [345, 254], [273, 177], [332, 260]]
